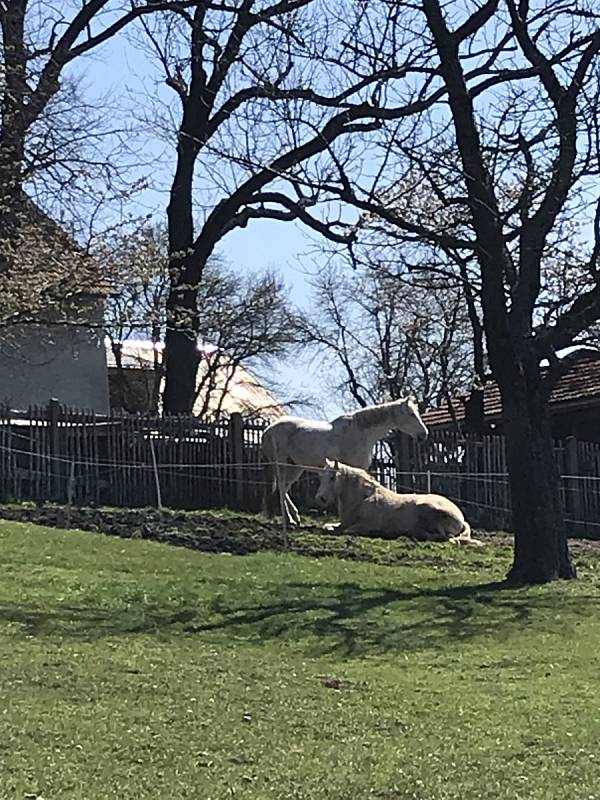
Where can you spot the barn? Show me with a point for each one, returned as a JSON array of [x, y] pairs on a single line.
[[222, 387]]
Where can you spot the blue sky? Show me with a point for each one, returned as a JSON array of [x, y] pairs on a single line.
[[289, 249], [126, 74]]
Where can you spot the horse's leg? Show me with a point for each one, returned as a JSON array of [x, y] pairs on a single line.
[[290, 474], [465, 540], [287, 474], [291, 506], [292, 510], [271, 492], [464, 537], [279, 472], [429, 533], [332, 527], [353, 530], [359, 529]]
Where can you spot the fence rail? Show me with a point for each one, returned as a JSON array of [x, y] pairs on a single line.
[[52, 453]]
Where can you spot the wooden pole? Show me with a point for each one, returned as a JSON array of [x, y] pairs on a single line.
[[70, 491], [54, 463], [236, 431], [574, 505]]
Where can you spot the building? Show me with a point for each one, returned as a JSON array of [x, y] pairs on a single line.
[[51, 331], [574, 403], [136, 381]]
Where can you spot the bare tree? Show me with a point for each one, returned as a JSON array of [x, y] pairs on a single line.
[[510, 159], [49, 133], [245, 322], [389, 337], [267, 95], [138, 272]]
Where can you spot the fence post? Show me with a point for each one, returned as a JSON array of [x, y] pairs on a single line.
[[573, 494], [70, 492], [236, 432], [159, 504], [53, 440]]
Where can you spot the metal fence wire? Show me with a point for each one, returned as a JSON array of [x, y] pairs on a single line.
[[55, 454]]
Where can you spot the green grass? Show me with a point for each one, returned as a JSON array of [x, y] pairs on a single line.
[[129, 669]]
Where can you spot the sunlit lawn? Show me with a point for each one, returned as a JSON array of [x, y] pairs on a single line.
[[131, 669]]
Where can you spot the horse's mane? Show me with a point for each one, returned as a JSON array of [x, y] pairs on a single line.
[[371, 416], [365, 477]]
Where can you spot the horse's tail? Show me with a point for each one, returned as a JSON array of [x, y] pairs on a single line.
[[465, 532]]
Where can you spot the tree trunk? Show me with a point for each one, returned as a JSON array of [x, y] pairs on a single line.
[[541, 551], [181, 367], [12, 130], [181, 353], [475, 410], [181, 340]]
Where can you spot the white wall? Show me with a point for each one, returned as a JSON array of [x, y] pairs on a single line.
[[66, 362]]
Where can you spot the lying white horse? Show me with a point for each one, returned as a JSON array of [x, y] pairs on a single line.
[[366, 507], [292, 443]]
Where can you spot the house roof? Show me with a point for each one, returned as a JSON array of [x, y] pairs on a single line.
[[51, 268], [90, 281], [579, 385], [240, 392]]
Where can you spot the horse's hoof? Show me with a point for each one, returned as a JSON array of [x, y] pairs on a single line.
[[465, 540]]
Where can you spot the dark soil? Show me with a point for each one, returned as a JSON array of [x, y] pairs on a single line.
[[238, 534], [208, 532]]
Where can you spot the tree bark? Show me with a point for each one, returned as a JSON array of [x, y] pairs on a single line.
[[12, 133], [181, 350], [541, 551]]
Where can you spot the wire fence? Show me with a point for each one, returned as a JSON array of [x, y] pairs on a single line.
[[53, 454]]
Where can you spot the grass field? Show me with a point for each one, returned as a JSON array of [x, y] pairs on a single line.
[[131, 669]]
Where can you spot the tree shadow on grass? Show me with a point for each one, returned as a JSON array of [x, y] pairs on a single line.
[[349, 620], [93, 623], [343, 619]]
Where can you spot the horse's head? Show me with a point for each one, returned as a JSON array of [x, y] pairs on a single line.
[[409, 420], [326, 492]]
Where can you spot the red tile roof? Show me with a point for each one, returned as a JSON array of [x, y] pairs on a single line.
[[580, 384]]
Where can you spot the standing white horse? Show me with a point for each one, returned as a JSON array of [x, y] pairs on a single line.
[[292, 443]]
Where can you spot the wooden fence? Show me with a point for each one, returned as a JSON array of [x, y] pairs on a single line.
[[62, 455], [52, 453]]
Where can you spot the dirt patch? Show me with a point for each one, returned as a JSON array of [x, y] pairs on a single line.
[[241, 534], [208, 532], [238, 534]]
